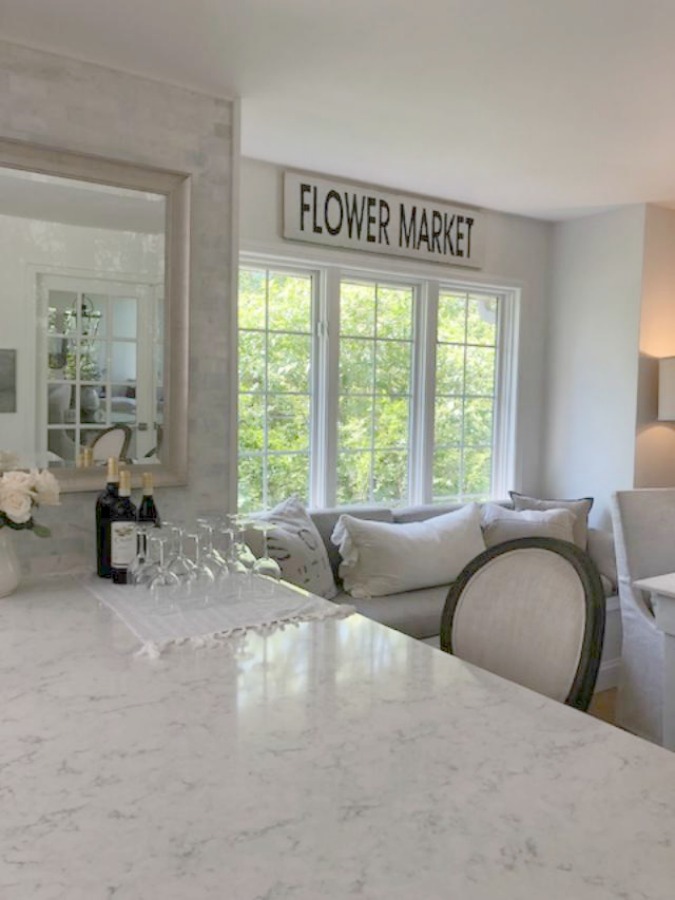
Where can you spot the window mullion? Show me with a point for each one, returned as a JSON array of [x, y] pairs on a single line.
[[423, 393], [326, 381]]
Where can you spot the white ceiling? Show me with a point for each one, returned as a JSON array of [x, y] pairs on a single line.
[[549, 108]]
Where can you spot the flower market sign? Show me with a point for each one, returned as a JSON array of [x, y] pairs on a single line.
[[339, 214]]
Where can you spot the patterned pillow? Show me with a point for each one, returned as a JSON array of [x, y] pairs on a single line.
[[296, 545]]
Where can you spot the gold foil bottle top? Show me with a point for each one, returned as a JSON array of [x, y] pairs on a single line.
[[113, 468], [148, 484], [125, 483]]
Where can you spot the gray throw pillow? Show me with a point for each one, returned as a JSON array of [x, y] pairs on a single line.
[[581, 508]]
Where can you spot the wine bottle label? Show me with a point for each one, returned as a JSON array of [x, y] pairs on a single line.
[[123, 544]]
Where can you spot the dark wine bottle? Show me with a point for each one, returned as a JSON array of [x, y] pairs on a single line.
[[147, 511], [104, 503], [122, 531]]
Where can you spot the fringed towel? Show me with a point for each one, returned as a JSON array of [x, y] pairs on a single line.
[[206, 620]]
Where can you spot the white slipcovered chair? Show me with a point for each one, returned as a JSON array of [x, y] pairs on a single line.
[[531, 610], [644, 535]]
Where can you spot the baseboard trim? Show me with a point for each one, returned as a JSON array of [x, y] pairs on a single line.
[[608, 676]]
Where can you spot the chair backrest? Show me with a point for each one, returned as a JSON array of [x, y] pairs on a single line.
[[533, 611], [644, 532], [113, 441]]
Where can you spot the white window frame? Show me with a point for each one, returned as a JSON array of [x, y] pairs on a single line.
[[427, 282]]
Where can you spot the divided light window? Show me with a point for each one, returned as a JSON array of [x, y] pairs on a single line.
[[375, 352], [357, 389], [275, 358]]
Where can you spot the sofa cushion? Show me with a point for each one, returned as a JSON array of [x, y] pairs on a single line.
[[501, 524], [415, 613], [298, 548], [380, 558], [581, 508], [326, 520]]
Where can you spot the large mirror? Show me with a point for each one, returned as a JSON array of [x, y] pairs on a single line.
[[94, 306]]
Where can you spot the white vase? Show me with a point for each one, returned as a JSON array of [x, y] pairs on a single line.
[[10, 571]]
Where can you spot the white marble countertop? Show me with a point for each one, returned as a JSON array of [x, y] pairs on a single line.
[[333, 760]]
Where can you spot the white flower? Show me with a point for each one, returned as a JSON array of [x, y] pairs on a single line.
[[15, 498], [18, 480], [46, 488]]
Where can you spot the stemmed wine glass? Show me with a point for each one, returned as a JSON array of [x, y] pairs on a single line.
[[180, 563], [209, 555], [164, 579], [142, 568], [265, 565]]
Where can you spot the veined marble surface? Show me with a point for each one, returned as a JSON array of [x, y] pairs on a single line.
[[333, 760]]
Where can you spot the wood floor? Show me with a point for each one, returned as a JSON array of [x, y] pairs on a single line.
[[602, 705]]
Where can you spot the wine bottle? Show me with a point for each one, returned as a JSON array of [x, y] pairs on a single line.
[[147, 511], [122, 531], [104, 503]]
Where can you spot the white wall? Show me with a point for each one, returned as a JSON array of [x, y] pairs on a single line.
[[517, 255], [655, 441], [592, 357], [27, 245]]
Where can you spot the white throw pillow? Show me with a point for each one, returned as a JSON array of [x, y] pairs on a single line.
[[381, 558], [500, 524], [297, 546]]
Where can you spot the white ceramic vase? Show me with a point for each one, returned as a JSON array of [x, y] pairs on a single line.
[[10, 572]]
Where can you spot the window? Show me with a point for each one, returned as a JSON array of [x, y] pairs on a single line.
[[275, 361], [362, 388]]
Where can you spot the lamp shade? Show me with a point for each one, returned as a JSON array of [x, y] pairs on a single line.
[[667, 389]]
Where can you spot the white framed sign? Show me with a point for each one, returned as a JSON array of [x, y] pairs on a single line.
[[341, 214]]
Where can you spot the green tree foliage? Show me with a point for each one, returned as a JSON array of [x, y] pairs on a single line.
[[375, 385]]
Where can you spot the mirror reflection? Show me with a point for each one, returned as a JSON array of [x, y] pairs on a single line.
[[82, 304]]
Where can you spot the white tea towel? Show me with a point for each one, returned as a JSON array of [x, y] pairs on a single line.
[[258, 604]]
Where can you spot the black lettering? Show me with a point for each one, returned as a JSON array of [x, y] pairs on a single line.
[[436, 228], [384, 206], [448, 247], [354, 214], [469, 226], [459, 249], [424, 230], [372, 221], [409, 233], [317, 229], [304, 207], [333, 229]]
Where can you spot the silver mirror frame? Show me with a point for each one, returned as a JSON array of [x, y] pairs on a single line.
[[175, 186]]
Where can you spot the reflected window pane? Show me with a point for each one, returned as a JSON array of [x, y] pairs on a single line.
[[123, 362], [124, 317]]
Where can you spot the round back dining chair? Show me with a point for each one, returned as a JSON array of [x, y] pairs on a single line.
[[531, 610], [113, 441]]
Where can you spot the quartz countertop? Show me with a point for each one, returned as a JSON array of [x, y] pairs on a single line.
[[334, 759]]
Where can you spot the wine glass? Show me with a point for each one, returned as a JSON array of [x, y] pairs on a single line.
[[241, 550], [204, 575], [143, 567], [180, 563], [164, 579], [209, 555], [265, 565]]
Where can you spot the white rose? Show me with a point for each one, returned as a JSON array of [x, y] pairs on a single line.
[[46, 488], [18, 480], [15, 501]]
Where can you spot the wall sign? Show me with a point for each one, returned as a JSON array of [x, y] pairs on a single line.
[[340, 214]]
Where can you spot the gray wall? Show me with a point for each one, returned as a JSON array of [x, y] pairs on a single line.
[[592, 356], [59, 103]]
